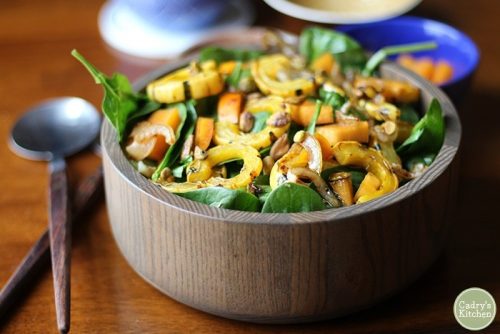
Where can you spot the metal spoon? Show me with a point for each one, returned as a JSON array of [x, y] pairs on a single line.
[[51, 131]]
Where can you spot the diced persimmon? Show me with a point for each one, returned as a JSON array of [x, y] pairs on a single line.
[[326, 149], [229, 107], [305, 112], [369, 185], [170, 117], [334, 133], [159, 148], [227, 67], [324, 63], [204, 132], [442, 72]]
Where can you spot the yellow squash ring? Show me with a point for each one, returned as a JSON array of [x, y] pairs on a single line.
[[353, 153], [199, 172]]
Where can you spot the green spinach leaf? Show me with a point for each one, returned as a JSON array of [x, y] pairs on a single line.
[[292, 197], [261, 180], [408, 114], [333, 99], [221, 54], [178, 171], [239, 73], [294, 128], [185, 129], [207, 106], [260, 120], [427, 135], [220, 197], [315, 41], [120, 103]]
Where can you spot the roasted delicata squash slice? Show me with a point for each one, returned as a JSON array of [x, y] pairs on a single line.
[[391, 90], [274, 74], [355, 154], [194, 81], [305, 152], [200, 172], [227, 133], [271, 103]]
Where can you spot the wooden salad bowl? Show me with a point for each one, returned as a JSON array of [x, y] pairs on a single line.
[[282, 268]]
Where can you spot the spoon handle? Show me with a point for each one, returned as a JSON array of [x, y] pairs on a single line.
[[38, 256], [60, 241]]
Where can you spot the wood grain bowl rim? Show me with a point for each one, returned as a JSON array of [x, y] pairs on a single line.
[[448, 151]]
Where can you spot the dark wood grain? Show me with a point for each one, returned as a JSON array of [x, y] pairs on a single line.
[[36, 259], [109, 297], [60, 242]]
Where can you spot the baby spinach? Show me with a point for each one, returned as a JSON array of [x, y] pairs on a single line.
[[378, 57], [292, 197], [427, 135], [294, 128], [408, 114], [233, 167], [185, 129], [221, 54], [260, 120], [264, 191], [120, 103], [265, 151], [220, 197], [261, 180], [333, 99], [178, 171], [207, 106], [239, 73], [315, 41]]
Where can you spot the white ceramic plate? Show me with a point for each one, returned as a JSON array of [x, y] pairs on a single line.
[[343, 11]]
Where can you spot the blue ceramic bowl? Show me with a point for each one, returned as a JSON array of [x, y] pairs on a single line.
[[453, 45]]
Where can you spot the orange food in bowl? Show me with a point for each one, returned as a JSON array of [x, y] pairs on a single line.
[[170, 117], [437, 72]]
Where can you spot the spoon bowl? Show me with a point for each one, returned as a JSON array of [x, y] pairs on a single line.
[[56, 127]]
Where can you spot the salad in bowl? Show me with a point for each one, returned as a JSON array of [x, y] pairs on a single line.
[[289, 128]]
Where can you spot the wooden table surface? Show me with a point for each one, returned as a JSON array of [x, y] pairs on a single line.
[[108, 297]]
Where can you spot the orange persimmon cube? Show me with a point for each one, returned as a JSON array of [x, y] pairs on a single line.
[[227, 67], [170, 117], [323, 63], [326, 149], [229, 107], [349, 131], [204, 132], [305, 112]]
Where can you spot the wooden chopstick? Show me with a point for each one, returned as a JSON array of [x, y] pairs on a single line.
[[34, 260]]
